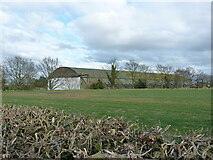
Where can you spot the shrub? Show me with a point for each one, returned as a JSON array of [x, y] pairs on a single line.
[[98, 85], [32, 132], [140, 84]]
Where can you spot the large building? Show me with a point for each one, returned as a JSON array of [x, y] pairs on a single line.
[[77, 78], [66, 78]]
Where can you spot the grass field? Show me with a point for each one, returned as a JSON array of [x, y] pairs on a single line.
[[183, 109]]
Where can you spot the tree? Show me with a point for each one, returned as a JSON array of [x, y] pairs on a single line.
[[144, 68], [46, 67], [20, 71], [113, 75], [189, 76], [199, 78], [164, 69], [207, 80], [165, 72], [3, 80], [190, 73], [178, 78], [133, 67]]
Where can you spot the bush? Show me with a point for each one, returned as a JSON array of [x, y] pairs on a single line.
[[12, 86], [41, 83], [32, 132], [98, 85], [5, 87], [140, 84]]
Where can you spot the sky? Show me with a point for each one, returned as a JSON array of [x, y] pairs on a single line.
[[90, 34]]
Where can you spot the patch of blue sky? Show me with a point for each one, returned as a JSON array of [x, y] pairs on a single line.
[[61, 37], [66, 18], [73, 38], [9, 25]]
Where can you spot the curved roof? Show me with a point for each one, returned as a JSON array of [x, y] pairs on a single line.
[[64, 72]]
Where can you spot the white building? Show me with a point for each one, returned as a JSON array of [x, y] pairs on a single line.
[[65, 78]]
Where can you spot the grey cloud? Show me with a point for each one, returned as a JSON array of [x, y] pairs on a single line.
[[65, 46], [176, 34], [112, 31], [201, 59], [180, 39], [18, 37], [101, 40], [8, 53]]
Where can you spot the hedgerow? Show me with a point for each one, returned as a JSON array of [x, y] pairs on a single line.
[[32, 132]]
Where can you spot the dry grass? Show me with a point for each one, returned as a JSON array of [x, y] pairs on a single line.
[[45, 133]]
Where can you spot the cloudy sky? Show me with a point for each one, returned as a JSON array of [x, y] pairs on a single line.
[[90, 34]]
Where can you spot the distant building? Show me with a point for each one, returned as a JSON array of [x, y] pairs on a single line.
[[78, 78]]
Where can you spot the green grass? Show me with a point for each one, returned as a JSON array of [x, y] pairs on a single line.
[[183, 109]]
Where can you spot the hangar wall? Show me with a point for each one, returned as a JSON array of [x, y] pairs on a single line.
[[68, 83]]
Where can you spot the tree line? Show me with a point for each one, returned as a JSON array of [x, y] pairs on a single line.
[[163, 76], [18, 73]]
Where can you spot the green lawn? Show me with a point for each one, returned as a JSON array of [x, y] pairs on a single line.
[[183, 109]]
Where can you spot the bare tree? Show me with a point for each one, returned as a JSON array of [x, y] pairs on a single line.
[[165, 72], [1, 78], [189, 76], [144, 68], [20, 71], [190, 73], [164, 69], [199, 78], [178, 78], [46, 67], [113, 75], [133, 67], [207, 80]]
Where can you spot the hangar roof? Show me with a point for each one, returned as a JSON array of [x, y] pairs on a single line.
[[92, 73], [62, 72]]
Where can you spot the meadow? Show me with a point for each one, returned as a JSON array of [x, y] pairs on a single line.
[[183, 109]]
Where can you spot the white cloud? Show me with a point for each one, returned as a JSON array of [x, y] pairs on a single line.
[[81, 34], [5, 17], [124, 27]]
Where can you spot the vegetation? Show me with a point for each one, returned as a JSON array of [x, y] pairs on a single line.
[[140, 84], [132, 66], [98, 85], [19, 73], [44, 133], [41, 83], [183, 109], [46, 67], [31, 132], [113, 74]]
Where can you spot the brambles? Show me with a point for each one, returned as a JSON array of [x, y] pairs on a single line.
[[32, 132]]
